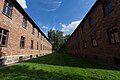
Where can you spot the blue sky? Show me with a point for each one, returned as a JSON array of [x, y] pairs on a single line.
[[63, 15]]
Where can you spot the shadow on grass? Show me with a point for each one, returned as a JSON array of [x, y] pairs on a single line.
[[61, 59], [18, 72]]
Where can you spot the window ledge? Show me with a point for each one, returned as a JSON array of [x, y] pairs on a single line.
[[3, 46], [114, 43], [22, 48], [108, 13], [7, 15]]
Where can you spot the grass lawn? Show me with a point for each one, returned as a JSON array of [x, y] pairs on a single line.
[[59, 66]]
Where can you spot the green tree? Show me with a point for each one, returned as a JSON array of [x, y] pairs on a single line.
[[57, 39], [51, 35]]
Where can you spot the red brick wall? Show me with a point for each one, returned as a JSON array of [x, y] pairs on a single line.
[[14, 26], [106, 52]]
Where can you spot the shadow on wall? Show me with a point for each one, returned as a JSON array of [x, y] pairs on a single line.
[[2, 57], [18, 72], [59, 59]]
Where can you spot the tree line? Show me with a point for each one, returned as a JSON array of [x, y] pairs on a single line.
[[57, 39]]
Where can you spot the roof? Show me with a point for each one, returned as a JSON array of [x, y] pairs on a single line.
[[22, 11]]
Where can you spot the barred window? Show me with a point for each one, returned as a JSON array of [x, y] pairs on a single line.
[[37, 46], [41, 37], [84, 44], [31, 44], [24, 23], [3, 37], [83, 29], [91, 22], [7, 8], [78, 44], [107, 7], [41, 46], [33, 30], [94, 42], [38, 34], [22, 42], [113, 35]]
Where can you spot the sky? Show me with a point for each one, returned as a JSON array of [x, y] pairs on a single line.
[[62, 15]]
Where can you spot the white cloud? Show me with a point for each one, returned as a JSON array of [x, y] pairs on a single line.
[[44, 27], [22, 3], [68, 29], [50, 5]]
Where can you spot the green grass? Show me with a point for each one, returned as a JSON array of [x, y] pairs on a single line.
[[59, 66]]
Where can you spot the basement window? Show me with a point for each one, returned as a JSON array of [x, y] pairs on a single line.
[[117, 61], [96, 58], [20, 58], [3, 37], [31, 56], [7, 8]]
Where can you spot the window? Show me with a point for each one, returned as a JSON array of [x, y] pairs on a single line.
[[78, 44], [7, 9], [38, 34], [84, 44], [20, 58], [113, 35], [91, 21], [94, 42], [85, 56], [37, 46], [3, 37], [22, 42], [78, 33], [83, 29], [33, 30], [41, 46], [24, 23], [95, 57], [117, 61], [41, 36], [107, 7], [31, 44], [31, 56]]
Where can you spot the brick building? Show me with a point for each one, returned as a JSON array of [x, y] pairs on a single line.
[[20, 37], [98, 35]]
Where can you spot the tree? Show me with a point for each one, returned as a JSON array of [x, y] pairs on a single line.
[[51, 36], [57, 39]]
